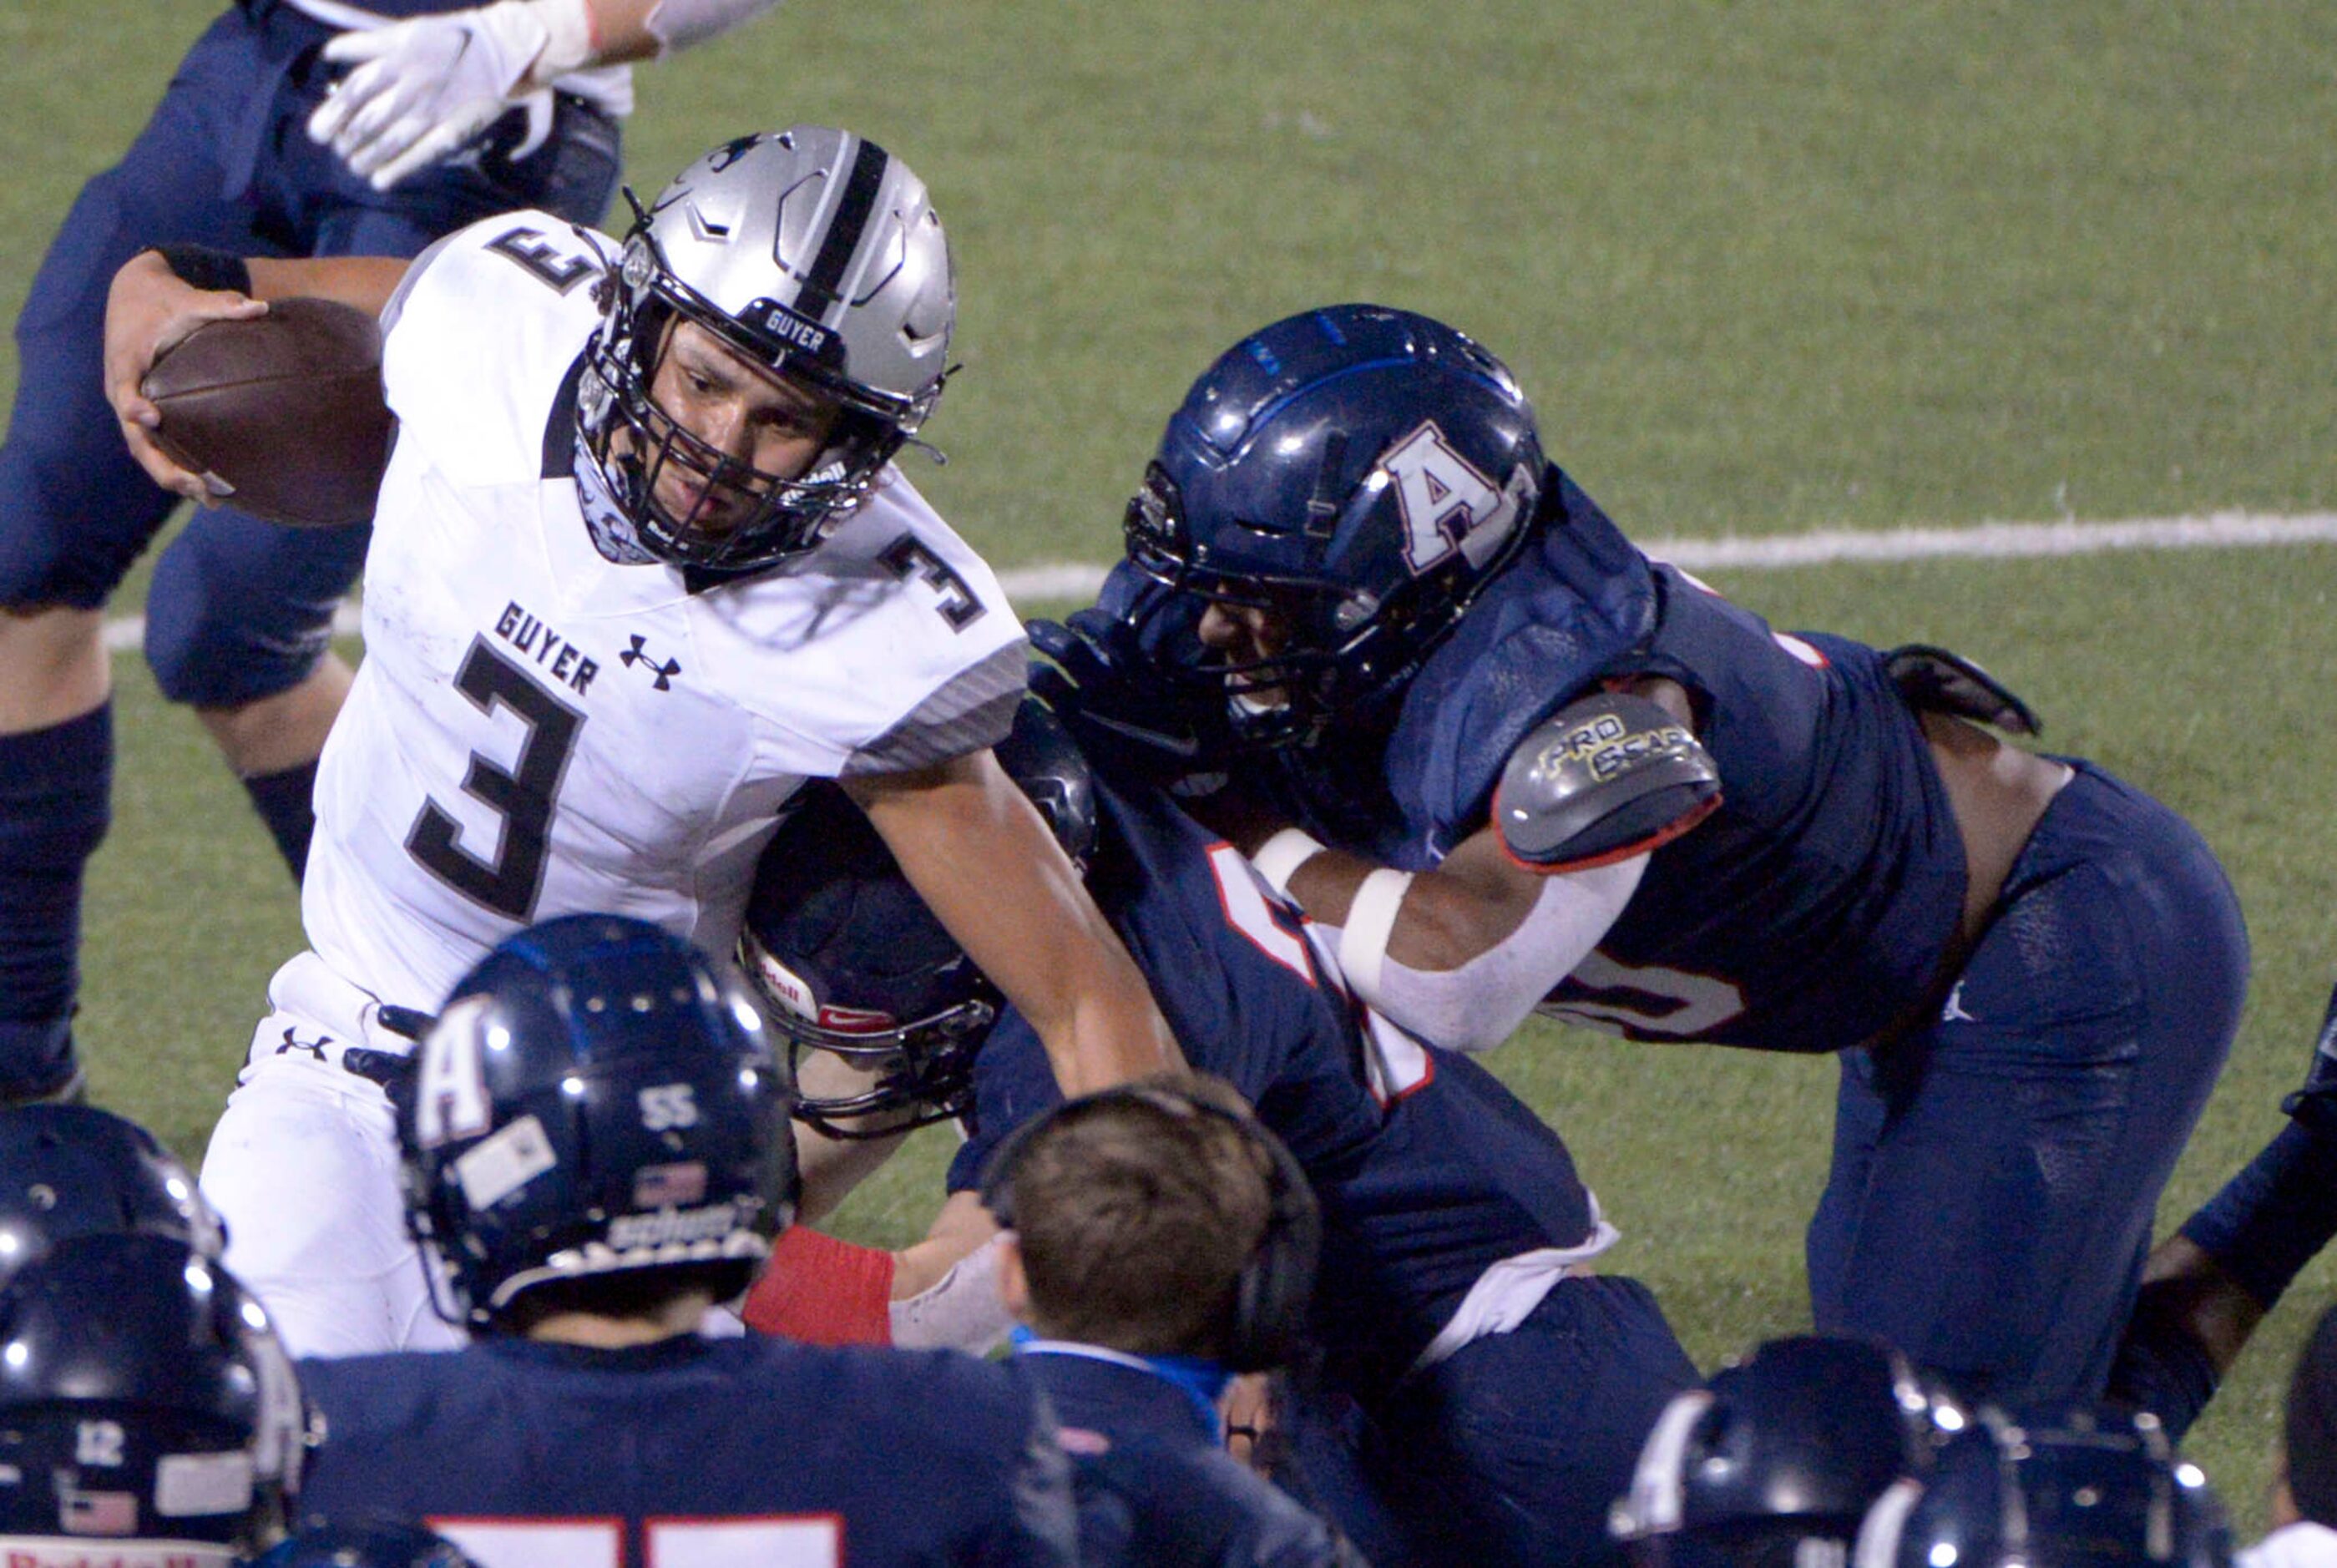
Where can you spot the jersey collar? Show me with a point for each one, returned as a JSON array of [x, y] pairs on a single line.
[[1202, 1382]]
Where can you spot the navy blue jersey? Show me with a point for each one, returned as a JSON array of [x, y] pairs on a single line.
[[1156, 1486], [1815, 906], [1427, 1169], [693, 1451], [1810, 911]]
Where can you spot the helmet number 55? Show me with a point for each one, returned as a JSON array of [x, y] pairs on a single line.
[[522, 794]]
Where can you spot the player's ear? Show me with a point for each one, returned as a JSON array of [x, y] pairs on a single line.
[[1014, 1284]]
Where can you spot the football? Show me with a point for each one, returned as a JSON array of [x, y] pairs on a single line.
[[286, 408]]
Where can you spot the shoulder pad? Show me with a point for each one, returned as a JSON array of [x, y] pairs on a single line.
[[1609, 776], [1933, 680]]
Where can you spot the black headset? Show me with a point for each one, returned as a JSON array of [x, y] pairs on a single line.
[[1272, 1292]]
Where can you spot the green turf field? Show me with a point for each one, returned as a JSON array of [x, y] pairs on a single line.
[[1764, 268]]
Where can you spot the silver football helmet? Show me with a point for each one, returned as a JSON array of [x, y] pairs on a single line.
[[813, 253]]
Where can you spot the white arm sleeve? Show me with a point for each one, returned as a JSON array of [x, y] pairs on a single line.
[[960, 1311], [1478, 1005], [679, 24]]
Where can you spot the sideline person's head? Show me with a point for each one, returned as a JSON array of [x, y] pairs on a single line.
[[148, 1412], [1158, 1219], [1776, 1460]]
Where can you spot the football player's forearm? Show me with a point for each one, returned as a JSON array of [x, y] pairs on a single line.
[[984, 862], [1446, 917], [1111, 1032], [960, 1310], [1068, 975], [1459, 956], [962, 1226], [625, 30], [831, 1168], [365, 282]]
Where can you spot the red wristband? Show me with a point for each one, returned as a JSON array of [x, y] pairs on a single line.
[[822, 1291]]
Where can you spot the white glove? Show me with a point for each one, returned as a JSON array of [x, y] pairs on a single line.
[[422, 89]]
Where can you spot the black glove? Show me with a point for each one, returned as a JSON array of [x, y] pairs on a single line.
[[1127, 710]]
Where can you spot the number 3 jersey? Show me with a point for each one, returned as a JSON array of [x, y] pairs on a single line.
[[538, 729]]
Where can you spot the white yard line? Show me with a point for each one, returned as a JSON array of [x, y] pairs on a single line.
[[1058, 580]]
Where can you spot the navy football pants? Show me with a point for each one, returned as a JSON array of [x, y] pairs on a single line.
[[239, 609], [1996, 1174], [1511, 1450]]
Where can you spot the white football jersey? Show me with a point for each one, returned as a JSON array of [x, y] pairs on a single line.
[[537, 731]]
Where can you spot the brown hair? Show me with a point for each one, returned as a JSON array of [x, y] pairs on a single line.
[[1136, 1214]]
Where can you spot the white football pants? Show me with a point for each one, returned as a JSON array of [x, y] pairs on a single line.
[[303, 1170]]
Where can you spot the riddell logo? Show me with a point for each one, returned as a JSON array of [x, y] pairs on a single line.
[[781, 982]]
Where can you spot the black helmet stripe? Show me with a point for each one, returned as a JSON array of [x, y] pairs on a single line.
[[845, 228]]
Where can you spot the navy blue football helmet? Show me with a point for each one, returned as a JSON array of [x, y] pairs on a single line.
[[2075, 1489], [594, 1098], [77, 1170], [1775, 1461], [363, 1545], [144, 1398], [850, 961], [1360, 471]]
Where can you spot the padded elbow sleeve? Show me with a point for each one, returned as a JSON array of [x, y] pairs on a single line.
[[960, 1311], [1478, 1005]]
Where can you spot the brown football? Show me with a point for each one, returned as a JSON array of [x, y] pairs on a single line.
[[286, 408]]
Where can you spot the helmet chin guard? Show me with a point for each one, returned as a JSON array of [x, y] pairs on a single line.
[[814, 258]]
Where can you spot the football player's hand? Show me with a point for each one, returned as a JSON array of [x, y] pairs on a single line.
[[1122, 707], [148, 309], [1249, 1417], [423, 89]]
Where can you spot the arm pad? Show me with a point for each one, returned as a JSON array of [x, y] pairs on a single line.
[[960, 1311], [1480, 1004], [1609, 776]]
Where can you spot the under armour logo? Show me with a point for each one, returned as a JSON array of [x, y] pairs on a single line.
[[1953, 1013], [730, 152], [313, 1047], [665, 671]]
